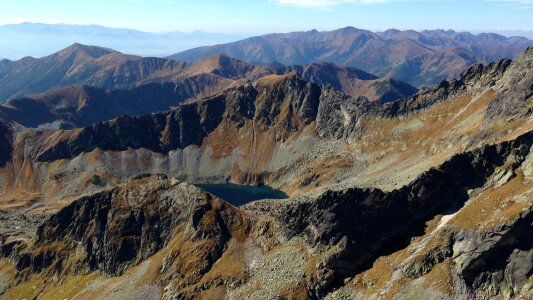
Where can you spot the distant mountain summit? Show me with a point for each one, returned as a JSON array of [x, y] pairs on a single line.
[[76, 65], [419, 58]]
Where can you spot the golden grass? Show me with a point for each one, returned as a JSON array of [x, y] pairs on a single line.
[[440, 277], [294, 292], [494, 206]]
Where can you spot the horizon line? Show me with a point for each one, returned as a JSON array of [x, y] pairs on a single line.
[[375, 30]]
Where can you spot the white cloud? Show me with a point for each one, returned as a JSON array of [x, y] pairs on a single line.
[[324, 3], [331, 3], [519, 3]]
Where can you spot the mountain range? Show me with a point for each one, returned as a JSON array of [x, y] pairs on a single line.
[[419, 58], [85, 84], [388, 191]]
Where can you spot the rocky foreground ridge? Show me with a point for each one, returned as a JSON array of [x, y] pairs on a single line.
[[191, 240]]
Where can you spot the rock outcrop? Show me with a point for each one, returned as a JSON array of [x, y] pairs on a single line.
[[119, 228], [512, 102]]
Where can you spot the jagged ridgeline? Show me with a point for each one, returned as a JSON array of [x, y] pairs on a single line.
[[430, 196]]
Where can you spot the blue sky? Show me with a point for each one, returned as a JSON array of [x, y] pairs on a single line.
[[261, 16]]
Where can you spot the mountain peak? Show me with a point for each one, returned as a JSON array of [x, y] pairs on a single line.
[[220, 64], [86, 50], [349, 29], [275, 80]]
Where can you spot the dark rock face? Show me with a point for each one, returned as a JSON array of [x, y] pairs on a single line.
[[160, 133], [121, 227], [503, 259], [512, 103], [368, 223], [6, 144], [303, 99], [338, 113], [477, 76], [497, 261]]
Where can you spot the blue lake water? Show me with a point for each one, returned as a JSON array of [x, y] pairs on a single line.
[[241, 194]]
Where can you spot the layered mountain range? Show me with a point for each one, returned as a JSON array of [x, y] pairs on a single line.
[[427, 196], [86, 84], [419, 58]]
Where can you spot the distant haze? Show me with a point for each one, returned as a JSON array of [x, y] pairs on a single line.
[[37, 40], [525, 33]]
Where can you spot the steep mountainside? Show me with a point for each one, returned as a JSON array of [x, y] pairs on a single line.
[[419, 58], [161, 88], [429, 196], [164, 239]]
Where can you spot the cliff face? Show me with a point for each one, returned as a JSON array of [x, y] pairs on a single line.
[[6, 146]]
